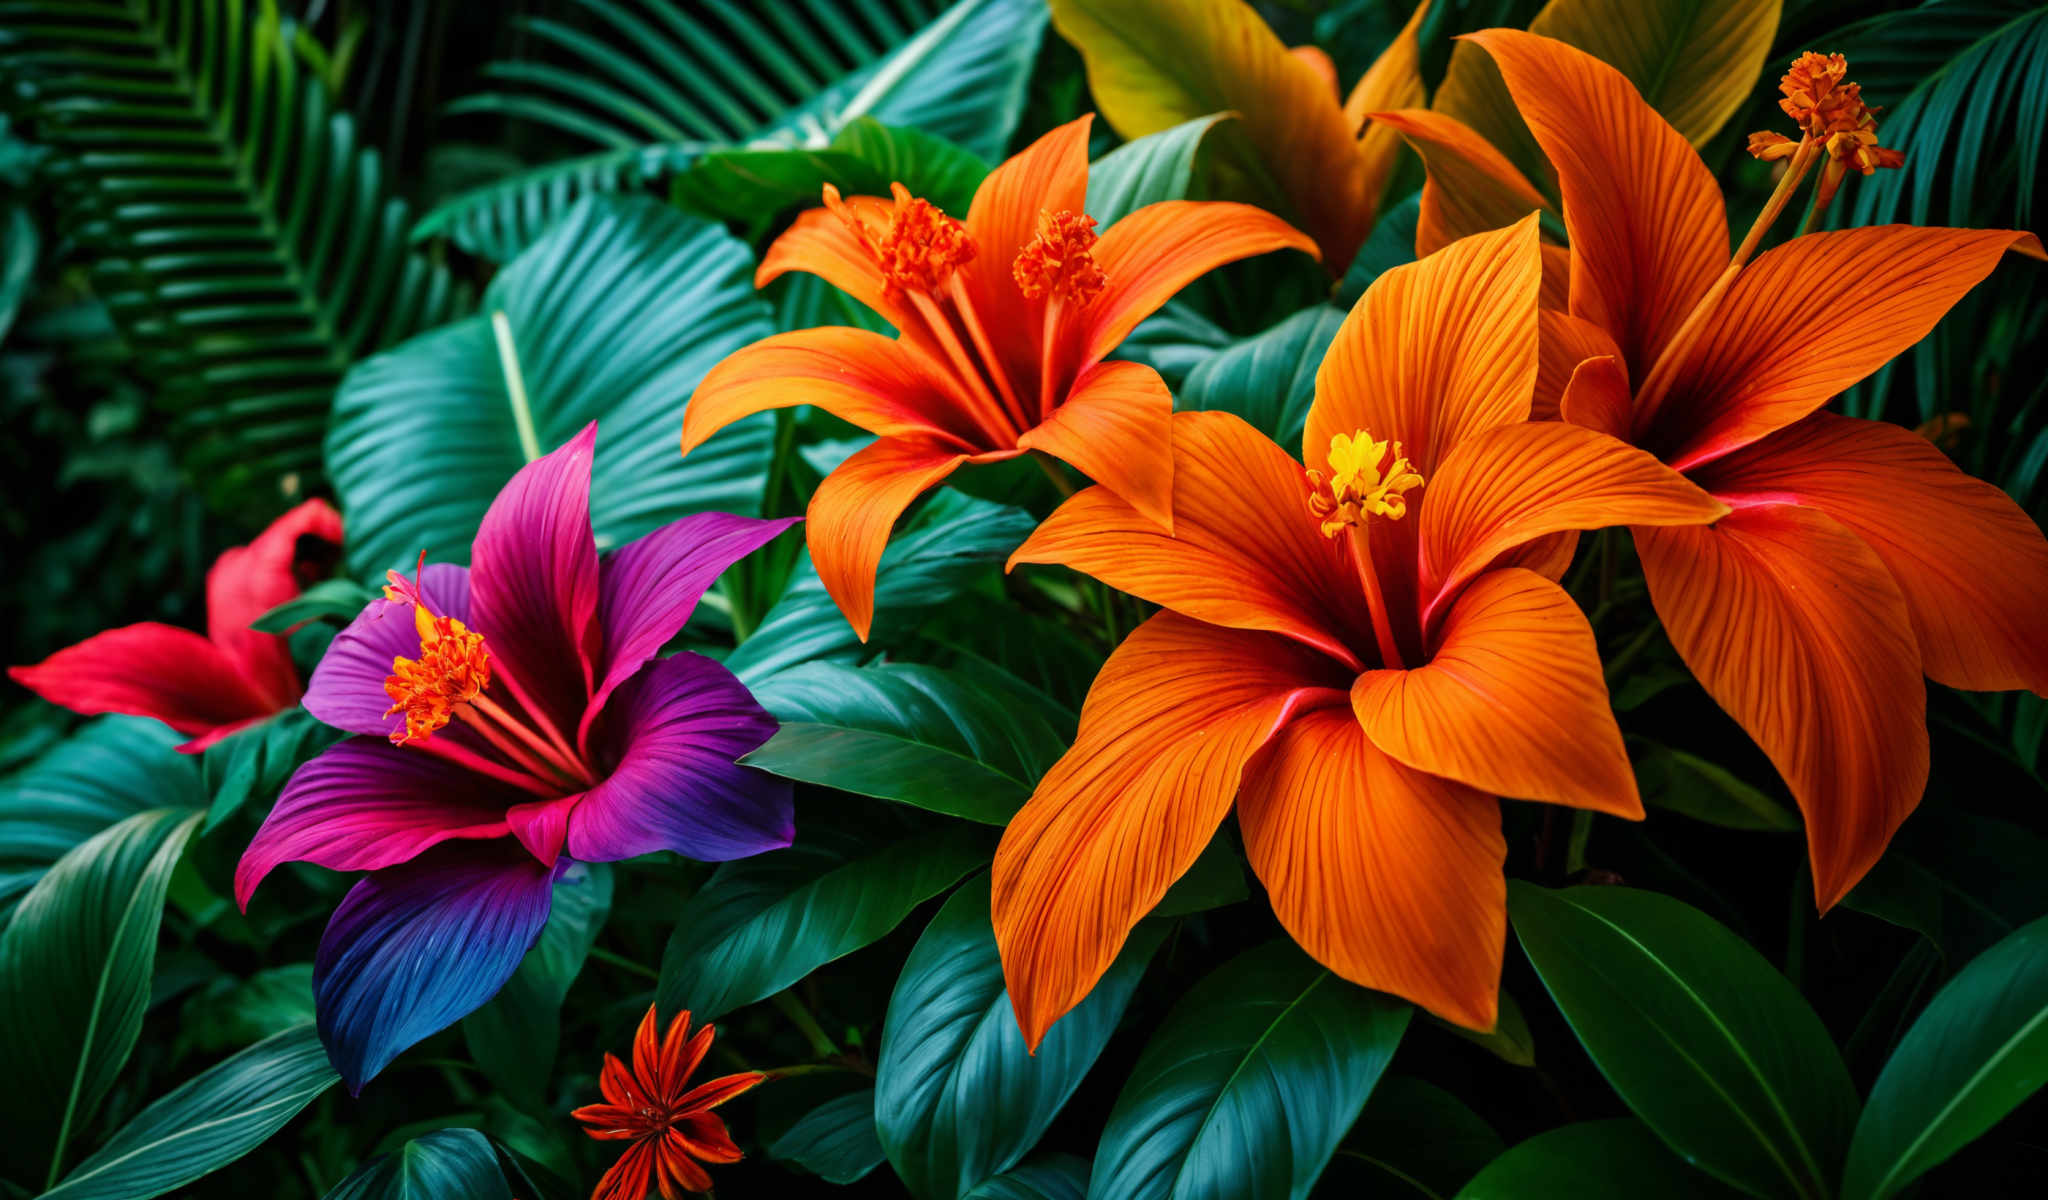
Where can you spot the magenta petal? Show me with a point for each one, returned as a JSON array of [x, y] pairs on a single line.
[[414, 949], [366, 804], [678, 726], [347, 689], [650, 586], [533, 582]]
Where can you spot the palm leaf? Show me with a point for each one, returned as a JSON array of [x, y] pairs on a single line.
[[654, 84], [245, 244]]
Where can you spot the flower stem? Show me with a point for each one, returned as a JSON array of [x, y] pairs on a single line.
[[623, 963]]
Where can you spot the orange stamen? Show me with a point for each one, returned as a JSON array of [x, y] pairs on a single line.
[[1059, 260], [918, 250]]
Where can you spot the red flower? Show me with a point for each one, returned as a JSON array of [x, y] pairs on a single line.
[[672, 1130], [205, 687]]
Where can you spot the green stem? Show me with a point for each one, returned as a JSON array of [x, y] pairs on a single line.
[[515, 387], [622, 962], [1575, 846], [791, 1006]]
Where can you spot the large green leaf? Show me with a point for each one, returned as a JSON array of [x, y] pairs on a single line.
[[207, 1122], [614, 315], [763, 923], [237, 1011], [754, 185], [75, 965], [1415, 1139], [958, 1098], [434, 1166], [1041, 1177], [1249, 1084], [244, 242], [1159, 166], [1269, 379], [1593, 1160], [1705, 1040], [969, 743], [113, 768], [1979, 1049], [1707, 791], [952, 541], [835, 1141], [513, 1036], [659, 83]]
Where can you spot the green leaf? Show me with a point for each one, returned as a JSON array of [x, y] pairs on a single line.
[[1962, 912], [1705, 1040], [753, 186], [1042, 1177], [336, 600], [259, 760], [499, 219], [952, 541], [968, 744], [1510, 1041], [1593, 1160], [1706, 791], [1216, 878], [957, 1096], [763, 923], [441, 1164], [207, 1122], [1414, 1139], [238, 1012], [75, 965], [1269, 379], [240, 233], [615, 315], [1979, 1049], [111, 769], [513, 1037], [835, 1141], [1249, 1084], [1159, 166]]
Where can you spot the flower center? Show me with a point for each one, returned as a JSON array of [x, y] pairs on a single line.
[[920, 247], [453, 669], [1831, 114], [1059, 259], [1361, 483]]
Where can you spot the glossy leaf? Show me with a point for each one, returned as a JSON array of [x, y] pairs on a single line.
[[1707, 791], [207, 1122], [1510, 1041], [835, 1141], [513, 1036], [1979, 1049], [966, 743], [763, 923], [863, 159], [614, 316], [1249, 1084], [1044, 1177], [1593, 1160], [446, 1162], [75, 966], [1414, 1139], [1268, 379], [1705, 1040], [1146, 170], [230, 1012], [958, 1098]]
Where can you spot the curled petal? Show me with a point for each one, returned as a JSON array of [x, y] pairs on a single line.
[[1564, 341], [1116, 427], [149, 670], [820, 244], [854, 509], [248, 581], [1471, 187]]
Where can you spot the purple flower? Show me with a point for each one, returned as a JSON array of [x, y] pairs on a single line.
[[513, 718]]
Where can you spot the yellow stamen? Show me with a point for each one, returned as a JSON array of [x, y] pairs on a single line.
[[1357, 486]]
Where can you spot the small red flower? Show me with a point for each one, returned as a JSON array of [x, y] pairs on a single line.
[[672, 1130]]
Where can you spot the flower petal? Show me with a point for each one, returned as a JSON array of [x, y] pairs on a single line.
[[1772, 351], [1796, 628], [1970, 564], [148, 670], [413, 949], [1388, 876], [676, 1171], [347, 688], [1048, 176], [1512, 701], [1435, 351], [1471, 186], [248, 581], [878, 383], [714, 1092], [1165, 734], [676, 729], [630, 1178], [1116, 427], [703, 1136], [1597, 397], [1513, 484], [1646, 221], [364, 804], [1244, 551], [820, 244], [853, 510], [533, 583], [1393, 81], [1563, 342], [648, 588], [1161, 248]]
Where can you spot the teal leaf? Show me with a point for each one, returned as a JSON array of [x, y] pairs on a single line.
[[835, 1141], [1707, 791], [1159, 166], [1415, 1139], [1593, 1160], [207, 1122], [1704, 1039], [613, 316], [435, 1166], [958, 1098], [1041, 1177], [231, 1011], [753, 185], [1249, 1084], [1268, 379]]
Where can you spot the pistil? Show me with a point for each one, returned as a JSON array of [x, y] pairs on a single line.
[[1362, 485]]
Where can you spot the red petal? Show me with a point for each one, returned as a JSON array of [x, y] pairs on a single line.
[[248, 581], [630, 1177], [712, 1093], [148, 670]]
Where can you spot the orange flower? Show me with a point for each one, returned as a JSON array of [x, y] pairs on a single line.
[[1857, 557], [1004, 321], [672, 1129], [1361, 654]]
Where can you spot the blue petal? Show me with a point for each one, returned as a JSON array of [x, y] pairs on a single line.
[[413, 949]]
